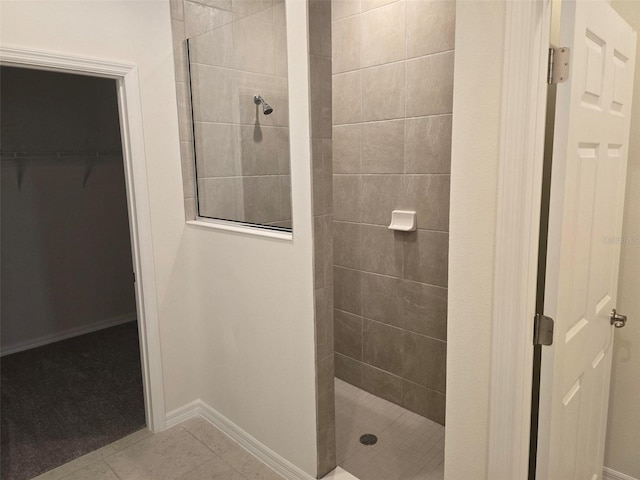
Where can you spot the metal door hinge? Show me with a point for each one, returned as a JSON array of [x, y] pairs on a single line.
[[559, 65], [542, 330]]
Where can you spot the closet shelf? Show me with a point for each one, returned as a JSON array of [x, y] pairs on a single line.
[[82, 155], [88, 157]]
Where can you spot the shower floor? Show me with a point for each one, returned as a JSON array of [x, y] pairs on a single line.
[[410, 447]]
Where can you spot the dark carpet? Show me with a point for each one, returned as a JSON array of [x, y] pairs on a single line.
[[66, 399]]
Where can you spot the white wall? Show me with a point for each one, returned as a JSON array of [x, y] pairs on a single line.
[[236, 311], [66, 254], [474, 178], [623, 433]]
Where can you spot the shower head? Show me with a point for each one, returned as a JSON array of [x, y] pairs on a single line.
[[266, 108]]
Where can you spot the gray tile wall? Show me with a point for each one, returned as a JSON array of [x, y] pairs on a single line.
[[392, 104], [238, 49], [320, 89]]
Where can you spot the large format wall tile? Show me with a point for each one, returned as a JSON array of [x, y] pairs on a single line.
[[381, 250], [426, 257], [324, 322], [383, 35], [347, 244], [213, 104], [393, 89], [260, 149], [346, 148], [346, 47], [406, 304], [348, 334], [260, 203], [430, 85], [423, 401], [429, 196], [221, 197], [348, 369], [382, 384], [320, 72], [217, 149], [347, 98], [428, 144], [383, 147], [242, 8], [371, 4], [199, 18], [344, 8], [425, 361], [348, 291], [383, 346], [213, 48], [319, 27], [323, 251], [430, 26], [383, 92], [346, 197], [381, 194]]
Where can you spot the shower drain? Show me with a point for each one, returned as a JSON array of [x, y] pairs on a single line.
[[368, 439]]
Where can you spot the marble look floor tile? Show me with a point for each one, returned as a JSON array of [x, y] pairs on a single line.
[[213, 438], [96, 471], [163, 456], [130, 439], [409, 447], [249, 466], [214, 469]]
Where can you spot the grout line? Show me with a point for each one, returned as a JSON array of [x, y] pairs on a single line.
[[419, 57], [391, 276], [111, 468], [393, 375]]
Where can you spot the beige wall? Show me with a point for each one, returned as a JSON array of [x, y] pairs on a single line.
[[235, 310], [474, 178], [66, 253], [623, 432], [393, 83]]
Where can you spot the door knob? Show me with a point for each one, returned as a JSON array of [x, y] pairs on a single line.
[[618, 320]]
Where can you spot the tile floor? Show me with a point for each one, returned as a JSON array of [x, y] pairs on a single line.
[[193, 450], [410, 447]]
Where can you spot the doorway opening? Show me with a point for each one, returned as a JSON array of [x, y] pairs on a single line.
[[72, 375]]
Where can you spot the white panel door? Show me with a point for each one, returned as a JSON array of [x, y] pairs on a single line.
[[585, 225]]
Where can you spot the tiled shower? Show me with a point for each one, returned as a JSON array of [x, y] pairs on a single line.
[[381, 87], [227, 52], [392, 104]]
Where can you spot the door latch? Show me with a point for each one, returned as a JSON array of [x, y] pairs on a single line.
[[618, 320]]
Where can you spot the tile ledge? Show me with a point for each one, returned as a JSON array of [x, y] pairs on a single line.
[[239, 228]]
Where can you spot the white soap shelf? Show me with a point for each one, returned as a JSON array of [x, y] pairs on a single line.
[[403, 220]]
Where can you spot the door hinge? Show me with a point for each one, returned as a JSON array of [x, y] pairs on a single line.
[[134, 277], [559, 65], [542, 330]]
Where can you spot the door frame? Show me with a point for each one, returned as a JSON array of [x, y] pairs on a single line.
[[135, 170], [522, 133]]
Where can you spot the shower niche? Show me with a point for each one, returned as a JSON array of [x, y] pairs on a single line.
[[238, 91]]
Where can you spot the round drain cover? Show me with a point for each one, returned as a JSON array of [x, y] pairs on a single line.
[[368, 439]]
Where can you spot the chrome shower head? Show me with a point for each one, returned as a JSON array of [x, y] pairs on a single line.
[[266, 108]]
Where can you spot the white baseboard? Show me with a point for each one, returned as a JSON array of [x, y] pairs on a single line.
[[609, 474], [267, 456], [70, 332]]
